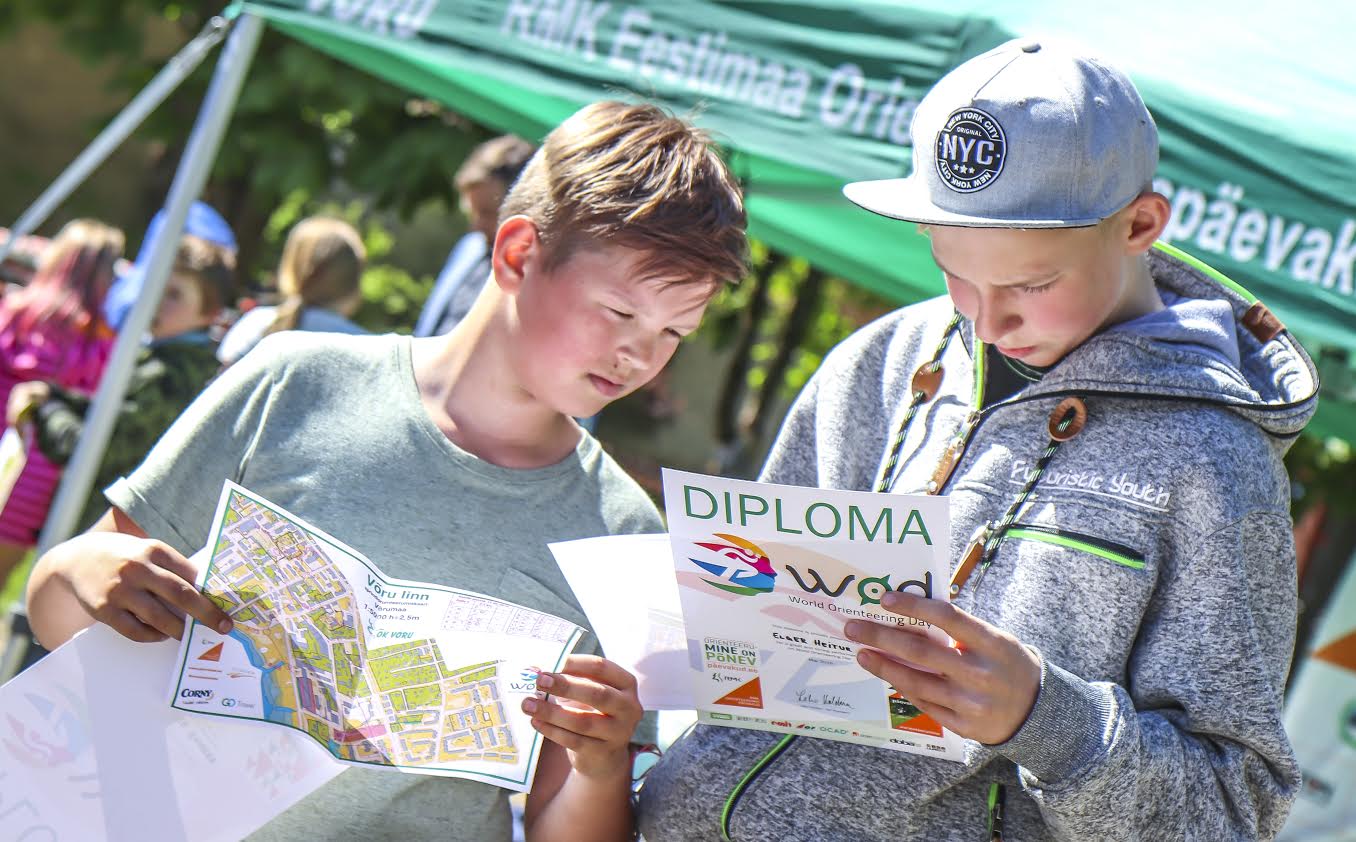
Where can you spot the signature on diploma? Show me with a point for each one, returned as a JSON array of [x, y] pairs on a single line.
[[822, 700]]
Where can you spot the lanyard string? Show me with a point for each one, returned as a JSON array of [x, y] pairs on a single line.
[[924, 385], [1065, 422]]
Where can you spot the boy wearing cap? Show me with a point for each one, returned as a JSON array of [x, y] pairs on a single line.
[[1108, 419]]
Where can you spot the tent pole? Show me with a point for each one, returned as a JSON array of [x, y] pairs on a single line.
[[188, 183], [165, 82], [189, 179]]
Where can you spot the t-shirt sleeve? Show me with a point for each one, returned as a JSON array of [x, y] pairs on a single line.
[[174, 493]]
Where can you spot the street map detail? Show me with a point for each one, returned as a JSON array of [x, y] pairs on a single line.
[[381, 672]]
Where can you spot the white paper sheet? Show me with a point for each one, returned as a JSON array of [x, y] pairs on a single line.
[[626, 586], [89, 750]]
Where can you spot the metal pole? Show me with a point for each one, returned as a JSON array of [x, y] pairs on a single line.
[[170, 77], [189, 179]]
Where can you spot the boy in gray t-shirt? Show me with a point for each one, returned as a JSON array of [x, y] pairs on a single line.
[[452, 459]]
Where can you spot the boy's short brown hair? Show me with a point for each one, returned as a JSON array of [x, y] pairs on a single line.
[[212, 268], [638, 177]]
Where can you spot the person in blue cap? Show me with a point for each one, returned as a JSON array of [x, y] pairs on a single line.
[[202, 222]]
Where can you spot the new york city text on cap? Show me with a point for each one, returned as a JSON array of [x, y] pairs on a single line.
[[1028, 135]]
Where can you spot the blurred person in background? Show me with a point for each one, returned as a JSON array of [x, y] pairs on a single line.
[[319, 278], [482, 181], [202, 222], [53, 329], [170, 371]]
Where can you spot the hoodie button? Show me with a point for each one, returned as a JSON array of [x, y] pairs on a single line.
[[1068, 419], [926, 380]]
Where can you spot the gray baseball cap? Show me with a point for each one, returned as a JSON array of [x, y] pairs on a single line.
[[1031, 134]]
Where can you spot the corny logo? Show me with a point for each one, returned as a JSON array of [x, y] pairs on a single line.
[[743, 567]]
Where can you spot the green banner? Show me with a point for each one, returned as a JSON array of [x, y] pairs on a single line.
[[807, 96]]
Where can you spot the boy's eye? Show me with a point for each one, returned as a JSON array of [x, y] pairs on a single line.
[[676, 334], [617, 313], [1037, 287]]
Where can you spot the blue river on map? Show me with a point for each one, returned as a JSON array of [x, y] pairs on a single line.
[[272, 711]]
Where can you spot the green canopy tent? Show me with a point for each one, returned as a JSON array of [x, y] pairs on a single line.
[[1257, 117]]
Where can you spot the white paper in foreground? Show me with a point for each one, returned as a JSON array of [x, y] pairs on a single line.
[[90, 751], [640, 627]]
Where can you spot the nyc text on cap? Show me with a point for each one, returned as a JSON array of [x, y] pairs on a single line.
[[1028, 135]]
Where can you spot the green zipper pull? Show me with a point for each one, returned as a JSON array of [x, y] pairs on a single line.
[[997, 797]]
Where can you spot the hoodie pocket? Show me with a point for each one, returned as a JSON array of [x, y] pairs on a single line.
[[1100, 547]]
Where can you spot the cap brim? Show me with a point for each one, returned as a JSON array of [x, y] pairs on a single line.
[[907, 199]]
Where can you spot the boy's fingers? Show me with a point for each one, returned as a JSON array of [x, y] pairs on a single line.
[[154, 614], [174, 591], [966, 629], [565, 737], [601, 670], [599, 726], [926, 691], [590, 693], [907, 646], [131, 628], [165, 556]]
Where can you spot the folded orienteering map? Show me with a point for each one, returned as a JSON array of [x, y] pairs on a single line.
[[381, 672]]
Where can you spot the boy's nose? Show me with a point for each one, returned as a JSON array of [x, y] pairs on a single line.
[[637, 352], [993, 321]]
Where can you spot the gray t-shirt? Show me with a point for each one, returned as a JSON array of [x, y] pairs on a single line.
[[251, 327], [333, 430]]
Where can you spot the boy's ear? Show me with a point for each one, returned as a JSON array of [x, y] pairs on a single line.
[[515, 244], [1145, 219]]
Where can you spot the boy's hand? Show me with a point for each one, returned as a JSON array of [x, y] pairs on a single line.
[[596, 732], [23, 397], [140, 587], [982, 689]]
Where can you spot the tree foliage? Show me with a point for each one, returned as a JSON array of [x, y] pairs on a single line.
[[305, 129]]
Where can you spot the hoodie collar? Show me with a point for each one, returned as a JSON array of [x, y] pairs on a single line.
[[1275, 384]]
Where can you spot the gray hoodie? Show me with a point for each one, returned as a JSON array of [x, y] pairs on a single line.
[[1153, 570]]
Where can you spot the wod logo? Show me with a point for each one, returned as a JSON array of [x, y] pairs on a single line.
[[971, 149], [742, 566], [869, 589]]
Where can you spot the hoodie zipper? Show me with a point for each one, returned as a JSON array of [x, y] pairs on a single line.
[[1109, 550], [727, 813]]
